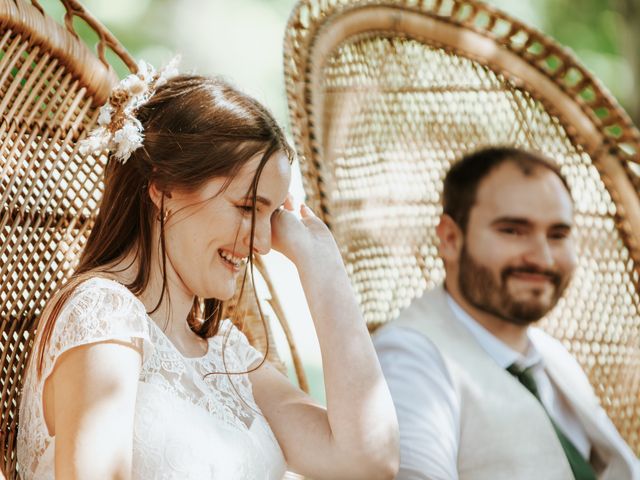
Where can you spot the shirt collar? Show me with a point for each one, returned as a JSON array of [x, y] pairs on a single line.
[[499, 351]]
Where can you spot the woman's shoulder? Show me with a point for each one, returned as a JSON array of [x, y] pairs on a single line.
[[98, 299], [94, 309], [100, 281], [97, 292]]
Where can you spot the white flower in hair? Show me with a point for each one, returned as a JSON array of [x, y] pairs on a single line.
[[98, 141], [146, 71], [133, 84], [119, 131], [169, 71], [105, 114], [127, 140]]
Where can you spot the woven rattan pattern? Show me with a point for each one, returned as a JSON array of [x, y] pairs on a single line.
[[391, 145], [396, 113], [393, 141], [311, 17], [49, 194]]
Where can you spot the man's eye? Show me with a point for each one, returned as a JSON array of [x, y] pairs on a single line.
[[510, 231], [558, 235]]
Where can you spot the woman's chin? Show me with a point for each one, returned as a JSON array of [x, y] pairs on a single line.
[[222, 294]]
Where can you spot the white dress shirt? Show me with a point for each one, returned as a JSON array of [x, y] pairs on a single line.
[[427, 405]]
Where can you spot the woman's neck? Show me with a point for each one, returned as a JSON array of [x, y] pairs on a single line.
[[172, 313]]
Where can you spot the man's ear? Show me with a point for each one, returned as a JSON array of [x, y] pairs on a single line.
[[451, 239]]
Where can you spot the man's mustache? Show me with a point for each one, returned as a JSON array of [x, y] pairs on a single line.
[[554, 276]]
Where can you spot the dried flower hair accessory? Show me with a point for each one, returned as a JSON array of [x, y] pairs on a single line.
[[118, 130]]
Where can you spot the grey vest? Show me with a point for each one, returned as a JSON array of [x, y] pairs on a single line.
[[505, 434]]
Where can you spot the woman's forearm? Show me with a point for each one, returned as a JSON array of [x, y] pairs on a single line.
[[361, 414]]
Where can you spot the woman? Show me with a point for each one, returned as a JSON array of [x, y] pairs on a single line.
[[127, 378]]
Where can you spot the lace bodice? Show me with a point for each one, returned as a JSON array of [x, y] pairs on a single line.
[[187, 425]]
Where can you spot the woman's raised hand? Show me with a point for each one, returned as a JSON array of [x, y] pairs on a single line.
[[302, 240], [357, 435]]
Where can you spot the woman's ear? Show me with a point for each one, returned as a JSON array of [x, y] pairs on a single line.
[[156, 194], [451, 239]]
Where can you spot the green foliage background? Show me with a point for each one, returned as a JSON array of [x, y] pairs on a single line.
[[242, 33]]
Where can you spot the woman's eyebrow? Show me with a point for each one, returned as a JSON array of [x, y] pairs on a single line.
[[264, 201]]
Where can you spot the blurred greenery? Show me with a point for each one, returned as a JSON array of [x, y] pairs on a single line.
[[242, 41], [604, 35]]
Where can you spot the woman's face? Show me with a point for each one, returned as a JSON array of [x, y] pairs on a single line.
[[208, 233]]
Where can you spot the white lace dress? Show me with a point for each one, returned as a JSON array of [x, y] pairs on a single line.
[[187, 426]]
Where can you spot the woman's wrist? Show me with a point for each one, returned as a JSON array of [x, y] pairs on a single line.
[[319, 268]]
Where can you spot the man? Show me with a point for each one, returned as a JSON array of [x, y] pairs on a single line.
[[480, 394]]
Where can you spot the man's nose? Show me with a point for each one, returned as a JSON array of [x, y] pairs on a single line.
[[539, 252]]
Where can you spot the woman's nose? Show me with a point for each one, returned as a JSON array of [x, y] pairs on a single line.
[[261, 237]]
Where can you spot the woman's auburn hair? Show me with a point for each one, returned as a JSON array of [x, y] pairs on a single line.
[[195, 128]]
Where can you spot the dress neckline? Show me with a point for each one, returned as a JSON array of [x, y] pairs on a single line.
[[153, 322], [173, 346]]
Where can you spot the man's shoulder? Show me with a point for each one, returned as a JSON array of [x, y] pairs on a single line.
[[406, 335], [424, 328], [394, 333], [407, 355]]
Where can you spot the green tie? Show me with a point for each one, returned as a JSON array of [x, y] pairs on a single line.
[[581, 469]]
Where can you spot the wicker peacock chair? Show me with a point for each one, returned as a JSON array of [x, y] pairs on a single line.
[[51, 86], [385, 94]]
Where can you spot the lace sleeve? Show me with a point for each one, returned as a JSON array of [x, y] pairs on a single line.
[[247, 356], [97, 311]]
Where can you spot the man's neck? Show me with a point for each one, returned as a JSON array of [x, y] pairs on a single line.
[[515, 336]]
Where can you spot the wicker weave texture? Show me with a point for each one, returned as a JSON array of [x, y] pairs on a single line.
[[48, 196], [389, 148], [51, 86], [379, 120]]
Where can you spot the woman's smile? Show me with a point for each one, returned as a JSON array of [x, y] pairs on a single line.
[[231, 261]]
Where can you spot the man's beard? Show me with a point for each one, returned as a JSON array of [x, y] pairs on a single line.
[[481, 289]]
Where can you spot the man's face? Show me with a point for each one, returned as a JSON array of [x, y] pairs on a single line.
[[517, 254]]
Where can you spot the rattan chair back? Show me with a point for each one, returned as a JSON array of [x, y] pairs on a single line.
[[384, 95], [51, 87]]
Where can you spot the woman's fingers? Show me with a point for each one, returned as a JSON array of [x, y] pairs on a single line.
[[300, 237], [282, 219], [288, 202], [306, 212]]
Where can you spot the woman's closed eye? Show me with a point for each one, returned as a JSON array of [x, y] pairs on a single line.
[[245, 209]]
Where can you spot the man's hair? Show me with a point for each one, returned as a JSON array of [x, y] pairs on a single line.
[[462, 181]]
